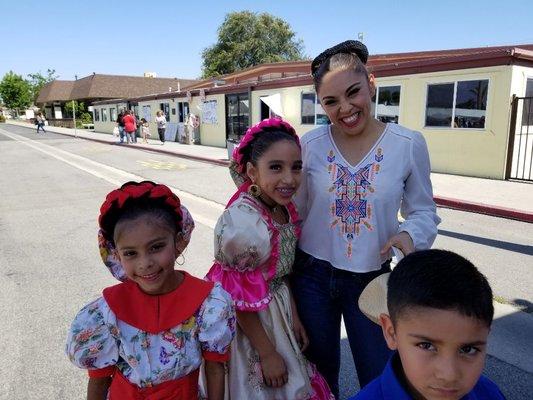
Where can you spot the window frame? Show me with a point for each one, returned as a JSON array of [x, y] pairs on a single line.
[[454, 101], [316, 102], [182, 116], [378, 86]]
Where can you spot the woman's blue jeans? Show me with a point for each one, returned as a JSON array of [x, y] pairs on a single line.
[[323, 293]]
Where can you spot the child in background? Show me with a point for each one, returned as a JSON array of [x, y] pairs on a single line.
[[438, 321], [146, 337], [145, 130], [255, 242]]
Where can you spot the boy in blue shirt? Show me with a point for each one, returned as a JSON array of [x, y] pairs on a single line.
[[438, 321]]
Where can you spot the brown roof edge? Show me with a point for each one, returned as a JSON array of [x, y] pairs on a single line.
[[278, 83], [502, 56], [439, 53], [486, 57]]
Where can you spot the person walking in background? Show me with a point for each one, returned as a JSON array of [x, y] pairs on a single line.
[[357, 173], [161, 125], [120, 124], [40, 122], [130, 125], [145, 130]]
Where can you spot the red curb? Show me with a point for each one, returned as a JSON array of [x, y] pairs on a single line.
[[480, 208]]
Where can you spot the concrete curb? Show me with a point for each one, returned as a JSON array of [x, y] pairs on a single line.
[[463, 205], [441, 201]]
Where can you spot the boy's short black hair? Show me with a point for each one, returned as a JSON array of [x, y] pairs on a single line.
[[439, 279]]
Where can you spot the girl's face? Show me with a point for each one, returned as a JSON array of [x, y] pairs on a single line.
[[147, 249], [346, 97], [278, 172]]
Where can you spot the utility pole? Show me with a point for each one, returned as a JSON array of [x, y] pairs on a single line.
[[74, 112]]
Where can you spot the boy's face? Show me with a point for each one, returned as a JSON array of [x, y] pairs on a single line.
[[442, 352]]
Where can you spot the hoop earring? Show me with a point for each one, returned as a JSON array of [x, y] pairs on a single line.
[[182, 259], [254, 190]]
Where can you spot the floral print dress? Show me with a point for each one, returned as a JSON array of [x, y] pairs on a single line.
[[146, 357]]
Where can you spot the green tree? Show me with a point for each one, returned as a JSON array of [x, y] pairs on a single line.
[[82, 116], [246, 39], [15, 91], [38, 80]]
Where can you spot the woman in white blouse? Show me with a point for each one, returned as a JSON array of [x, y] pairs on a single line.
[[358, 172]]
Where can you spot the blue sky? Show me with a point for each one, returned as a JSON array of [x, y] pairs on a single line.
[[167, 37]]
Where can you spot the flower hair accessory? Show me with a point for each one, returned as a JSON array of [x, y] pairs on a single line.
[[348, 46], [116, 200]]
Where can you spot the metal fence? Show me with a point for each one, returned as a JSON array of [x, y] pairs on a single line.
[[520, 160]]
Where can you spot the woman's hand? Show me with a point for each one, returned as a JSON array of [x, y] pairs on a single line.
[[299, 331], [274, 369], [402, 241]]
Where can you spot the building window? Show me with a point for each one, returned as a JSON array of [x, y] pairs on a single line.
[[96, 114], [312, 111], [461, 104], [388, 103], [104, 114], [147, 113], [183, 111], [112, 114]]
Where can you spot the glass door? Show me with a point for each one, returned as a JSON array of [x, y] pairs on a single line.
[[237, 115]]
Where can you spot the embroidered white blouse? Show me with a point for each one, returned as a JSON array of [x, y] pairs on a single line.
[[349, 212]]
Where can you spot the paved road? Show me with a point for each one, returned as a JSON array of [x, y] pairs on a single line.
[[52, 187]]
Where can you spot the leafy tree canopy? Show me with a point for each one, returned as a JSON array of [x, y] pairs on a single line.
[[38, 80], [246, 39], [15, 91]]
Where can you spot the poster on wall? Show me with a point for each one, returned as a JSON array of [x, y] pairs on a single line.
[[147, 113], [170, 132], [209, 112]]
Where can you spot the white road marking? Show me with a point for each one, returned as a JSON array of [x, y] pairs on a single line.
[[106, 173]]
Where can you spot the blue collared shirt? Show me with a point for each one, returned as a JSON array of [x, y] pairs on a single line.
[[387, 386]]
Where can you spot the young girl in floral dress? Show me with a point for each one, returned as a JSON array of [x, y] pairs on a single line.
[[147, 336], [255, 242]]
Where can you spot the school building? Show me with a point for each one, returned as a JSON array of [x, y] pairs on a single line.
[[96, 87], [474, 106]]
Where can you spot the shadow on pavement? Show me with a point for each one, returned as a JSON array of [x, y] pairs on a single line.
[[514, 247]]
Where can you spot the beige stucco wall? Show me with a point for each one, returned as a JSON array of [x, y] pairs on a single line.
[[291, 103], [211, 134], [105, 127], [471, 152]]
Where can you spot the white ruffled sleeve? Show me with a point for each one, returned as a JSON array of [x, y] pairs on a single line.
[[242, 254], [92, 339], [216, 321], [242, 239]]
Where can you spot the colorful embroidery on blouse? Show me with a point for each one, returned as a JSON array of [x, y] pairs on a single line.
[[350, 208]]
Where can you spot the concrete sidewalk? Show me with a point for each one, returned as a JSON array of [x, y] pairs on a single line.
[[487, 196]]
